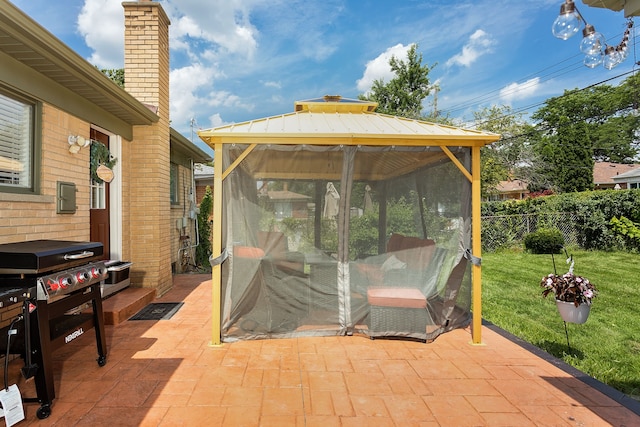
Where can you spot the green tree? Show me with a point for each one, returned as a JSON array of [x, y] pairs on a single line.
[[403, 95], [617, 136], [581, 126], [505, 158], [115, 74]]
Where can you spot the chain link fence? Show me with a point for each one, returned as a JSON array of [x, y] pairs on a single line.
[[509, 230]]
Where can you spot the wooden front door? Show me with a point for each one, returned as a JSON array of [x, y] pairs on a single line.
[[99, 213]]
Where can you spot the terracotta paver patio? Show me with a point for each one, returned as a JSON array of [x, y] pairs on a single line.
[[164, 373]]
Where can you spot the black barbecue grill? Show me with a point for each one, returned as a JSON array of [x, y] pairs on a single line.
[[53, 280]]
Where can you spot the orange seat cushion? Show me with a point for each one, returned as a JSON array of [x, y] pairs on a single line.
[[248, 252], [396, 297]]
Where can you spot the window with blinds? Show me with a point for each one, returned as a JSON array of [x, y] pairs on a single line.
[[174, 191], [16, 143]]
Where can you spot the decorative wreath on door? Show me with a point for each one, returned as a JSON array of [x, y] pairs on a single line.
[[102, 162]]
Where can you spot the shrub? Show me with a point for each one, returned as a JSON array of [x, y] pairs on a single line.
[[203, 250], [593, 211], [544, 241], [628, 231]]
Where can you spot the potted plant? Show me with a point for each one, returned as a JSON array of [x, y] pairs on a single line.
[[573, 294]]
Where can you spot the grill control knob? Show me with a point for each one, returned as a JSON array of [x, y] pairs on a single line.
[[82, 276], [98, 273], [64, 282]]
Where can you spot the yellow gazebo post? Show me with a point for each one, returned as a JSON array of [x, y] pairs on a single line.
[[476, 230], [216, 246]]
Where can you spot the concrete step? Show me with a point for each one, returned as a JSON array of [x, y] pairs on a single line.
[[122, 305]]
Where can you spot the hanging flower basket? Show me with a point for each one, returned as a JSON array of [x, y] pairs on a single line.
[[573, 294]]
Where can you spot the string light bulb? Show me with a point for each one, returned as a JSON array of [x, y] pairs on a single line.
[[593, 60], [611, 58], [568, 21], [592, 41], [593, 44]]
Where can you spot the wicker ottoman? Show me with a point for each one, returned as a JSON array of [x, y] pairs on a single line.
[[397, 312]]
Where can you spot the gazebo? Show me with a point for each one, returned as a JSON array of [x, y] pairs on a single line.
[[388, 244]]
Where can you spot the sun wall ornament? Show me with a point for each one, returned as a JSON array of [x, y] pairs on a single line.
[[102, 162]]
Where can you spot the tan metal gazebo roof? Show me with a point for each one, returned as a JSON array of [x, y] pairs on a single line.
[[335, 121]]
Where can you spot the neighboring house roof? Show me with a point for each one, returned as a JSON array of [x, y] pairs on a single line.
[[203, 172], [276, 195], [510, 186], [634, 173], [605, 173]]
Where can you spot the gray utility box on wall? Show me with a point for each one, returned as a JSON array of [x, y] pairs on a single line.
[[66, 198], [117, 279]]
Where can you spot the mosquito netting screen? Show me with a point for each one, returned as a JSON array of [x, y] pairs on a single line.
[[326, 240]]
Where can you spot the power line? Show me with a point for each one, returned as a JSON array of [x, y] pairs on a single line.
[[543, 75], [520, 110], [488, 96]]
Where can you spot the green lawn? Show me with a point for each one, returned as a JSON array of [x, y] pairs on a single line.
[[607, 346]]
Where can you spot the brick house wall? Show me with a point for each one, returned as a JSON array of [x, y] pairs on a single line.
[[32, 217]]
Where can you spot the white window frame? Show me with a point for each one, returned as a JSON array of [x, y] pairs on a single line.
[[20, 119], [174, 191]]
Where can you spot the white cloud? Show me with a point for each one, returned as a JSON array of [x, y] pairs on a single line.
[[191, 94], [185, 84], [215, 120], [518, 91], [272, 84], [101, 23], [479, 44], [379, 69], [218, 25], [224, 23]]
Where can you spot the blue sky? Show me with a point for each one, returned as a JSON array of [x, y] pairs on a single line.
[[238, 60]]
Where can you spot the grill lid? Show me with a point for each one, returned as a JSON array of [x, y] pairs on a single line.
[[40, 256]]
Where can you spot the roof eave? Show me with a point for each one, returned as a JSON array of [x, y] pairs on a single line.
[[43, 43], [348, 139], [188, 147]]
